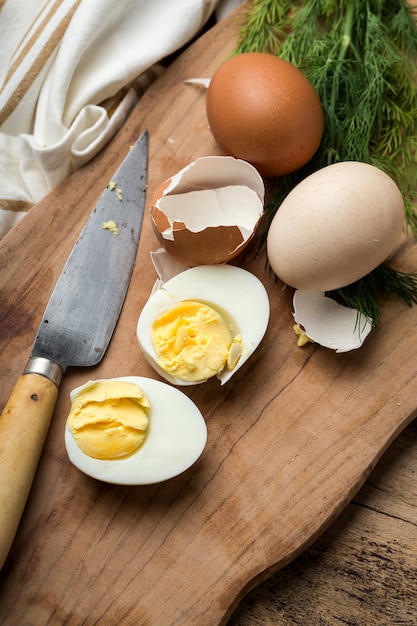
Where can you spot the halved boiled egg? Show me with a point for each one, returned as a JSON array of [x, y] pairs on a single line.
[[206, 321], [133, 431]]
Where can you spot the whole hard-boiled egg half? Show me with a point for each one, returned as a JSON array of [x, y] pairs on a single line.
[[206, 321], [133, 430]]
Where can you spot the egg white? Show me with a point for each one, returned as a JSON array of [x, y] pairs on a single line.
[[176, 438], [235, 293]]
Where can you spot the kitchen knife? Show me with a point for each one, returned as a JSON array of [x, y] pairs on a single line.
[[74, 331]]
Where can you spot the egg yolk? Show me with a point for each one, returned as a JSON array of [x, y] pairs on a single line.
[[109, 419], [193, 342]]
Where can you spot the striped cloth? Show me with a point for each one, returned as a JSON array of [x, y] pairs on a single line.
[[70, 73]]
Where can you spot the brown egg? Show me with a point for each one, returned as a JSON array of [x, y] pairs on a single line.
[[262, 109]]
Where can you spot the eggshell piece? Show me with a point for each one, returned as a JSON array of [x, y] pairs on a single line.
[[177, 437], [235, 293], [335, 227], [329, 323], [166, 266], [209, 211], [204, 82]]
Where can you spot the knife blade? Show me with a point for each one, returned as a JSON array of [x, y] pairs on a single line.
[[75, 329]]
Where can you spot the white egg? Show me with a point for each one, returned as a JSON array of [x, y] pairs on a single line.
[[335, 226], [176, 438], [235, 293]]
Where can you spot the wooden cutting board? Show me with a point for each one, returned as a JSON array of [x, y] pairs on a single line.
[[290, 439]]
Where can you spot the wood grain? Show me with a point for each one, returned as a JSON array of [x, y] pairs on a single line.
[[291, 440], [363, 569], [32, 403]]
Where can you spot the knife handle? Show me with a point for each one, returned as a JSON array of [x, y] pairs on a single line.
[[24, 425]]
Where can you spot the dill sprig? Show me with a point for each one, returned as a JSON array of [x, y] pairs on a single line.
[[383, 283], [361, 57]]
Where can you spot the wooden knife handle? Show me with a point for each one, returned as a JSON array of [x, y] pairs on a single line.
[[24, 425]]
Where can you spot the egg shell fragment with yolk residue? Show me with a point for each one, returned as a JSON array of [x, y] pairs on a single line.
[[176, 438], [335, 226], [329, 323], [208, 212], [235, 293]]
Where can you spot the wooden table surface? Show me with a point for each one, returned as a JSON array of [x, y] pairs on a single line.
[[363, 569], [355, 562]]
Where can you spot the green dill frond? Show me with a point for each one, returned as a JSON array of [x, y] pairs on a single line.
[[361, 57], [261, 29], [383, 283]]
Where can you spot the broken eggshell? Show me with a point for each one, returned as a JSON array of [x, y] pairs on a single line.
[[166, 267], [209, 211], [329, 323]]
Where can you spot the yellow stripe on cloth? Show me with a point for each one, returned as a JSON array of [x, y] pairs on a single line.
[[35, 44]]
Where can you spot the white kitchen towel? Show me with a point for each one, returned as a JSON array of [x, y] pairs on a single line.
[[70, 73]]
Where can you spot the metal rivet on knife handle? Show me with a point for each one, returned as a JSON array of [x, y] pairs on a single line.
[[44, 367]]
